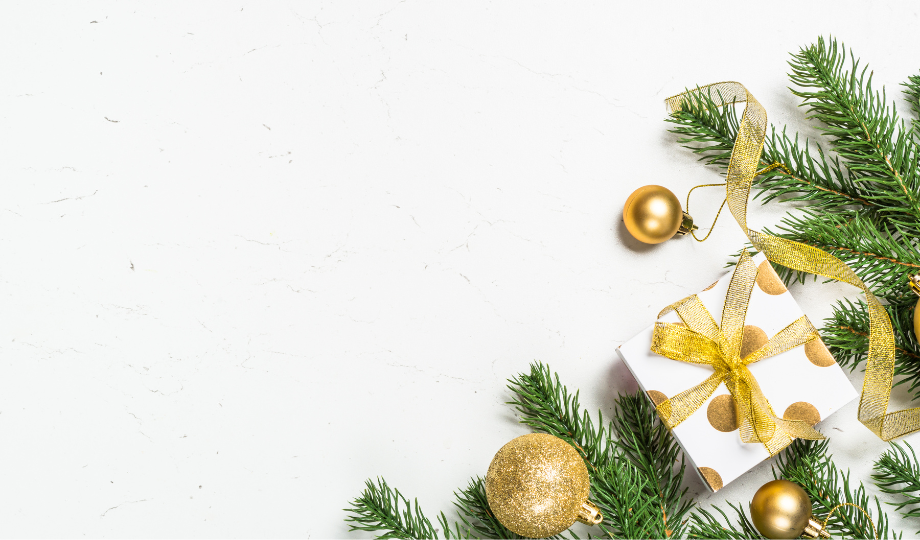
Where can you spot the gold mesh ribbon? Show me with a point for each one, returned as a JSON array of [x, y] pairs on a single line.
[[699, 340], [745, 158]]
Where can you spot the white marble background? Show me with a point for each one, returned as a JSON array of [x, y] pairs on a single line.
[[256, 252]]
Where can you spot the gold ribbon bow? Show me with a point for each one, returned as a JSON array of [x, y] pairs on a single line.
[[701, 341], [745, 158]]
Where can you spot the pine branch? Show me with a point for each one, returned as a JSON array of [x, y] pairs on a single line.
[[912, 95], [864, 131], [846, 333], [882, 255], [796, 456], [807, 464], [710, 132], [377, 509], [621, 490], [475, 514], [648, 444], [898, 472], [546, 405], [706, 525]]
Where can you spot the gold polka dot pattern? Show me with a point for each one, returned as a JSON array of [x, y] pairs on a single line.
[[817, 353], [753, 339], [713, 478], [802, 410], [768, 280], [721, 413], [657, 397], [536, 485]]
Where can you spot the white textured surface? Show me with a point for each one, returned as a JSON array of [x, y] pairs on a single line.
[[254, 253]]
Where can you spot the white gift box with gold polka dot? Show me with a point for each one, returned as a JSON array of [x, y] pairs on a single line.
[[804, 383]]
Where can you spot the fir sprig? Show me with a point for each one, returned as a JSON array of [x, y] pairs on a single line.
[[808, 174], [544, 404], [863, 127], [912, 94], [633, 463], [386, 511], [807, 464], [705, 524], [898, 472], [863, 197], [473, 508], [868, 246], [648, 444], [846, 333]]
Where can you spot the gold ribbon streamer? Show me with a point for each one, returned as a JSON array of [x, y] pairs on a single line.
[[701, 341], [876, 392]]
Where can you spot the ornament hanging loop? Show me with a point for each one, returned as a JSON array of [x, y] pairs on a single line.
[[831, 513], [690, 228], [590, 514]]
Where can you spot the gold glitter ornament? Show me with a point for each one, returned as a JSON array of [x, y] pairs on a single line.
[[781, 509], [653, 214], [537, 486]]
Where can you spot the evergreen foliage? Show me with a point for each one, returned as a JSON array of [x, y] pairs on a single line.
[[860, 197], [378, 509], [807, 464], [898, 472], [634, 464], [637, 475]]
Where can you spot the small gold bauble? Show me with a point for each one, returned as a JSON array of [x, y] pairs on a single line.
[[914, 282], [652, 214], [782, 509], [917, 320], [537, 486]]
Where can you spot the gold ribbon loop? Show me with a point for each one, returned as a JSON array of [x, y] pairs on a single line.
[[699, 340], [742, 167]]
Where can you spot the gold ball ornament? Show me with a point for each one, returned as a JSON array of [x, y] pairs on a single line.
[[653, 214], [915, 286], [537, 486], [782, 509]]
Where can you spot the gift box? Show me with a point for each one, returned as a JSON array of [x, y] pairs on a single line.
[[791, 371]]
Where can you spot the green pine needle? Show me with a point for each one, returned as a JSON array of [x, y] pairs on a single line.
[[704, 524], [862, 196], [643, 456], [898, 472], [912, 95], [807, 464], [385, 510], [475, 514]]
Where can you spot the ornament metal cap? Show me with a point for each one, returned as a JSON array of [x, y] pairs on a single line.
[[687, 225], [590, 514], [914, 281], [815, 530]]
